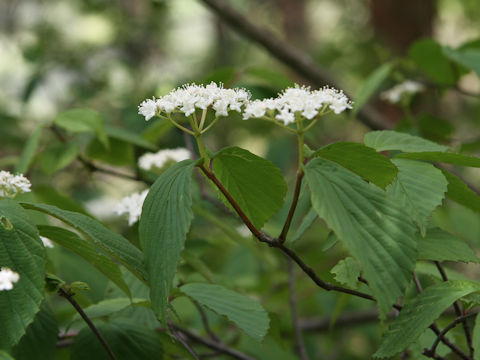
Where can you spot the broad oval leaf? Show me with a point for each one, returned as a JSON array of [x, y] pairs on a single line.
[[111, 243], [165, 221], [256, 184], [459, 192], [362, 160], [371, 85], [439, 245], [245, 312], [74, 243], [449, 158], [419, 188], [22, 251], [372, 226], [382, 140], [420, 313]]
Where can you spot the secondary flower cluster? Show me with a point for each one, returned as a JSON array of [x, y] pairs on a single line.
[[11, 185], [299, 100], [159, 159], [399, 91], [296, 100], [190, 97], [8, 278]]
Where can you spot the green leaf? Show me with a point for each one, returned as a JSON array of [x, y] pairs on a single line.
[[459, 192], [256, 184], [420, 313], [225, 75], [347, 272], [41, 338], [307, 221], [439, 245], [57, 157], [5, 356], [362, 160], [81, 121], [382, 140], [75, 244], [468, 57], [476, 339], [245, 312], [129, 137], [127, 340], [21, 251], [268, 77], [165, 221], [108, 307], [111, 243], [29, 151], [431, 60], [419, 188], [51, 196], [372, 226], [118, 153], [371, 85], [434, 128], [444, 157]]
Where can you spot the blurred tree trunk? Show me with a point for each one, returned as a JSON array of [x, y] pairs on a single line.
[[398, 23], [294, 21]]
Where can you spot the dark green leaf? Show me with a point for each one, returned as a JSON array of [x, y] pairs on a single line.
[[307, 221], [111, 243], [420, 313], [29, 151], [362, 160], [164, 224], [118, 153], [49, 195], [372, 226], [57, 157], [434, 128], [476, 338], [391, 140], [245, 312], [444, 157], [74, 243], [129, 137], [21, 251], [256, 184], [459, 192], [370, 85]]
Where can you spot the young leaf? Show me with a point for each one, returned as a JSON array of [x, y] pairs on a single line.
[[111, 243], [362, 160], [29, 151], [382, 140], [373, 227], [419, 188], [347, 272], [439, 245], [165, 221], [449, 158], [81, 121], [420, 313], [245, 312], [459, 192], [74, 243], [21, 251], [371, 85], [256, 184]]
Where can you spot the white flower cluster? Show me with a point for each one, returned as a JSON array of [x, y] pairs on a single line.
[[190, 97], [299, 100], [8, 278], [159, 159], [132, 205], [46, 242], [11, 185], [395, 94]]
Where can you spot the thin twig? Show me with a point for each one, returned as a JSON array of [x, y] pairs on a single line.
[[181, 340], [291, 212], [458, 312], [205, 322], [447, 342], [293, 309], [69, 296]]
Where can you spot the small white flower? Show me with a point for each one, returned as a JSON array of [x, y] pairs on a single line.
[[149, 160], [11, 185], [8, 278], [148, 108], [399, 91], [132, 205], [46, 242]]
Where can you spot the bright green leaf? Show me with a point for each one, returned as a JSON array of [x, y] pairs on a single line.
[[382, 140], [81, 121], [74, 243], [372, 226], [21, 251], [256, 184], [165, 221], [57, 157], [371, 85], [439, 245], [459, 192], [362, 160], [111, 243], [29, 151], [420, 313], [419, 188], [245, 312], [347, 272], [444, 157]]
